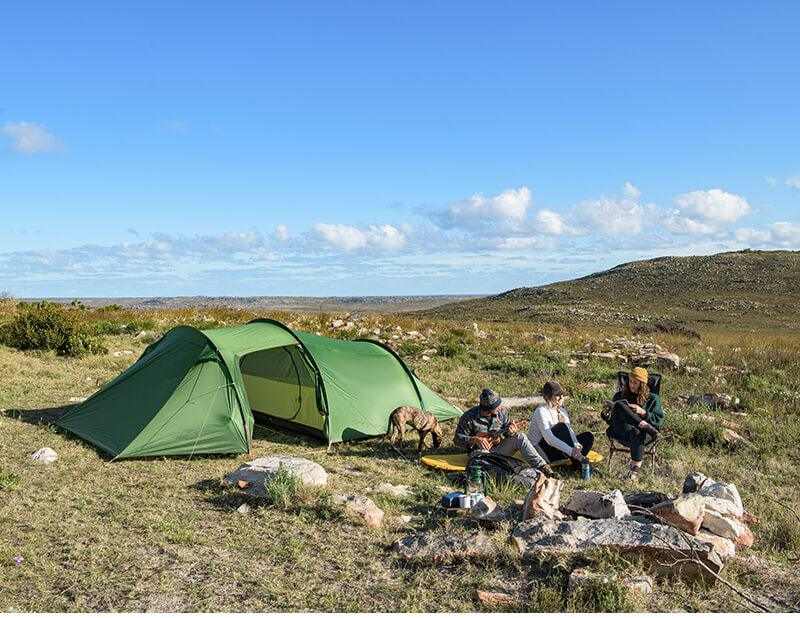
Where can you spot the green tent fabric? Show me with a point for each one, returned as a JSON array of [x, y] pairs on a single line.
[[195, 392]]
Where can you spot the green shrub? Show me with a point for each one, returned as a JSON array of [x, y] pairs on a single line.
[[113, 327], [455, 343], [49, 326], [283, 488], [705, 433], [599, 596]]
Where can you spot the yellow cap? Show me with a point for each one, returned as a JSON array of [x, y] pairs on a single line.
[[640, 373]]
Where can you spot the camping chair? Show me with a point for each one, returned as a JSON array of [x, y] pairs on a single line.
[[651, 445]]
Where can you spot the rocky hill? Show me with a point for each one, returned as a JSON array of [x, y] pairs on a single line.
[[746, 287]]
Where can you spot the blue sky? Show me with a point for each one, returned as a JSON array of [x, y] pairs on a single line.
[[387, 148]]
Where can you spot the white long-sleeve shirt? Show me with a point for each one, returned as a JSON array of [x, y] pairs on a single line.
[[541, 427]]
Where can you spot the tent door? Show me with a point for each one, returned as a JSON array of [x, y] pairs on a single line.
[[280, 384]]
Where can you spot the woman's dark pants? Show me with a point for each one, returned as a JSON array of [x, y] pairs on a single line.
[[561, 432], [624, 428]]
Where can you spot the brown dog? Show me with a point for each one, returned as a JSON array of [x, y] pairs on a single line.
[[423, 422]]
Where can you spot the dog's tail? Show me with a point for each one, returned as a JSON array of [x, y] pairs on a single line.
[[389, 427]]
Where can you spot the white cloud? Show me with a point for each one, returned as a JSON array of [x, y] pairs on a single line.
[[705, 213], [349, 238], [30, 138], [793, 182], [783, 235], [281, 232], [552, 223], [686, 225], [631, 191], [509, 207], [518, 243], [714, 206], [612, 216]]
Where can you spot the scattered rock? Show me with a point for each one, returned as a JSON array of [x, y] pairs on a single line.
[[580, 578], [337, 324], [732, 438], [494, 599], [244, 508], [668, 360], [597, 386], [439, 547], [396, 491], [430, 352], [692, 371], [258, 471], [597, 505], [45, 455], [685, 513], [716, 401], [542, 338], [661, 544], [361, 509]]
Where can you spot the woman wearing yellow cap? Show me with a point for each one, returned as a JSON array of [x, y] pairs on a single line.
[[636, 415]]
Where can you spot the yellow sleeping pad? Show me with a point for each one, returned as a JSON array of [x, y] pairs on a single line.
[[456, 462]]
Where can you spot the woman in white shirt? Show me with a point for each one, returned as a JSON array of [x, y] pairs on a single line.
[[550, 430]]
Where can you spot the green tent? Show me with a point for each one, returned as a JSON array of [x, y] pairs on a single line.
[[195, 391]]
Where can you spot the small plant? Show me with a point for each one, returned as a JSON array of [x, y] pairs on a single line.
[[283, 488], [705, 433], [8, 480], [49, 326], [783, 532]]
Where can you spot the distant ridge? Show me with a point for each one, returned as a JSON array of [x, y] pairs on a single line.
[[725, 287], [385, 304]]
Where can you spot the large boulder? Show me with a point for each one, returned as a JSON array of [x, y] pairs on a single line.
[[661, 545], [597, 505], [252, 476]]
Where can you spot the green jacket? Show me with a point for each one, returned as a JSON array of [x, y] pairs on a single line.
[[653, 407]]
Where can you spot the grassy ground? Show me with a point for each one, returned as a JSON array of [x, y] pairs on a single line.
[[162, 535]]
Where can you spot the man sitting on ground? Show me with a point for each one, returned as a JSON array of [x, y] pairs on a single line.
[[487, 428]]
